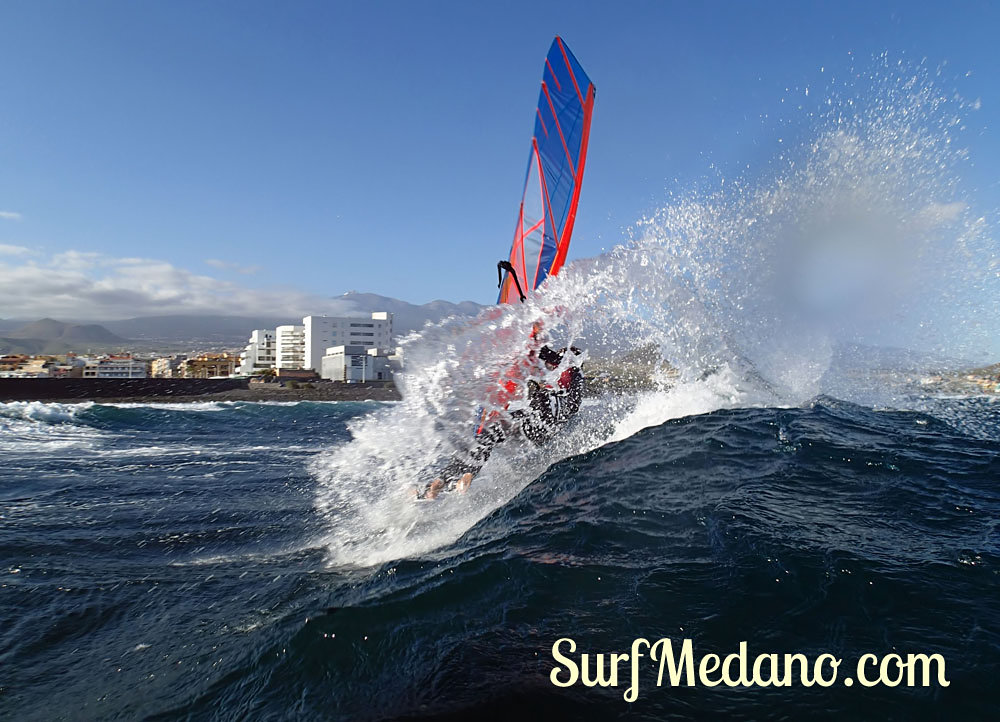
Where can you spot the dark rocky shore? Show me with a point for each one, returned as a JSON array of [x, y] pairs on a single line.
[[188, 390], [273, 392]]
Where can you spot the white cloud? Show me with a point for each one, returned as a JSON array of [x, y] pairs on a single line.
[[8, 250], [74, 261], [91, 286], [10, 216], [229, 266]]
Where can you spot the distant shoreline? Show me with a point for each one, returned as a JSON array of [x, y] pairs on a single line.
[[290, 397], [172, 391]]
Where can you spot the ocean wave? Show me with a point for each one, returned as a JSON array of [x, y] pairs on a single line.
[[770, 291], [43, 411]]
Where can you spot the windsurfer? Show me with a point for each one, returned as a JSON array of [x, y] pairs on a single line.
[[524, 400], [551, 407], [548, 409]]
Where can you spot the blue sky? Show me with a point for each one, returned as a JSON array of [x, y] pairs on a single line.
[[272, 153]]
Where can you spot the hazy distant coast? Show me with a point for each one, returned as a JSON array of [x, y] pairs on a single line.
[[187, 333], [985, 380]]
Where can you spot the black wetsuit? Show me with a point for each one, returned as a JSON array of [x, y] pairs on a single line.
[[548, 410]]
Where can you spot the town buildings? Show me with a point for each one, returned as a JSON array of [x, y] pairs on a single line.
[[323, 332], [355, 363], [209, 365], [25, 366], [259, 355], [115, 367], [304, 347], [290, 347], [12, 361], [168, 367], [338, 348]]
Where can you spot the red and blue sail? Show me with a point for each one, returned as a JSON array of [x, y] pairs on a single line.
[[555, 173]]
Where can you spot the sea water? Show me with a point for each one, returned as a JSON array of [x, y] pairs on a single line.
[[782, 478]]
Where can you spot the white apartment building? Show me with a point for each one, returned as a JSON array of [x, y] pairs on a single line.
[[289, 347], [355, 363], [259, 353], [324, 332], [115, 367]]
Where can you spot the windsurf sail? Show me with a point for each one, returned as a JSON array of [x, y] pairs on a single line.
[[555, 173]]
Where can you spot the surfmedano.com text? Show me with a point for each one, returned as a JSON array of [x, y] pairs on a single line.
[[679, 667]]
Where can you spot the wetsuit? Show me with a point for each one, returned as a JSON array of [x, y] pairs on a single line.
[[548, 410]]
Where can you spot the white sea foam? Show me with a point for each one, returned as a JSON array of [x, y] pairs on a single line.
[[43, 411], [30, 427], [174, 406]]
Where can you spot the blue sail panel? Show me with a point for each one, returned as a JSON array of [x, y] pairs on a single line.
[[556, 161]]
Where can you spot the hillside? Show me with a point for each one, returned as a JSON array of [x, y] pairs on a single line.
[[235, 330], [221, 330], [215, 331], [407, 316], [48, 336]]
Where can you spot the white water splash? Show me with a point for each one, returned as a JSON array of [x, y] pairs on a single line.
[[768, 292], [32, 427]]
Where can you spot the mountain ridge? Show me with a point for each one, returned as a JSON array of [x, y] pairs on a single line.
[[49, 336], [224, 330]]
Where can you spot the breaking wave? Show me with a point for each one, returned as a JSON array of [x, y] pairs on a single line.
[[768, 291]]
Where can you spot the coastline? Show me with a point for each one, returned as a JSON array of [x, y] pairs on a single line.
[[183, 393]]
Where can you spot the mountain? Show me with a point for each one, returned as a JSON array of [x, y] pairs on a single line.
[[408, 317], [49, 329], [231, 331], [223, 330], [189, 332], [891, 358], [48, 336]]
